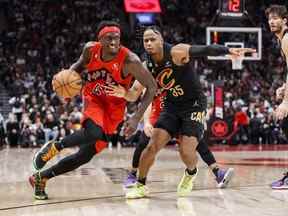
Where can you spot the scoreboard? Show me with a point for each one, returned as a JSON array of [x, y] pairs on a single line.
[[231, 8]]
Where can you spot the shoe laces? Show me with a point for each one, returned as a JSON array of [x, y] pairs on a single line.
[[186, 181], [220, 175], [139, 185], [131, 176], [40, 183], [51, 153]]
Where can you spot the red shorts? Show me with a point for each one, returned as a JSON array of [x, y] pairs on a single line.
[[157, 106], [105, 114], [155, 113]]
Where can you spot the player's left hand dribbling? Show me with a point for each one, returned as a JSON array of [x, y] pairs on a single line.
[[282, 111]]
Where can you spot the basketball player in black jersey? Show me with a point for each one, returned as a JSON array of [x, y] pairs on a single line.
[[184, 106], [152, 38], [277, 18]]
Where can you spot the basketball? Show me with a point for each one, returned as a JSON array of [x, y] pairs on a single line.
[[67, 83]]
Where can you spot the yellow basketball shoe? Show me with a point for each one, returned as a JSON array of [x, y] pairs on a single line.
[[137, 191], [186, 184]]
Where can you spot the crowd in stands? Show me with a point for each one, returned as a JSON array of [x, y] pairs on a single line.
[[41, 37]]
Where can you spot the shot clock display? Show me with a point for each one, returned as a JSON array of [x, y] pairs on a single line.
[[231, 8]]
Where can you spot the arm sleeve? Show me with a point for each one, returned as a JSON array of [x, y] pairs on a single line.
[[211, 50]]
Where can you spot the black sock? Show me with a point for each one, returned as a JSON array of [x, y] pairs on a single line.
[[59, 145], [215, 171], [133, 172], [142, 180], [191, 172]]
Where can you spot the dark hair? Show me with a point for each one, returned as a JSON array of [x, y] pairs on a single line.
[[105, 23], [279, 10], [154, 28]]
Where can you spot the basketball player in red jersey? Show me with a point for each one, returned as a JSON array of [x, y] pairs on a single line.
[[107, 62], [278, 18]]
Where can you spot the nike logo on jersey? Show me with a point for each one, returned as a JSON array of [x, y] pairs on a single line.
[[115, 66]]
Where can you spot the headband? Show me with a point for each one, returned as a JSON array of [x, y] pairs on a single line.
[[108, 29]]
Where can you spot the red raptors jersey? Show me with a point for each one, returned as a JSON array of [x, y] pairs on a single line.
[[106, 111], [101, 73]]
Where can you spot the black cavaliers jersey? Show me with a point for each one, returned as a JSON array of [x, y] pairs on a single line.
[[181, 83]]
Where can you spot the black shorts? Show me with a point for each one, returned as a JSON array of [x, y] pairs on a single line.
[[187, 122]]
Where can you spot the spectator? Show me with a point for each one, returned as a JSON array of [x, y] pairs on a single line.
[[51, 127], [241, 123], [12, 129], [2, 130], [36, 44]]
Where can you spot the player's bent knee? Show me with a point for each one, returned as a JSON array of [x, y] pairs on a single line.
[[93, 131], [85, 158], [153, 148]]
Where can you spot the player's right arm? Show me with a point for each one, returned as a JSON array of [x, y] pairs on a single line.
[[84, 58]]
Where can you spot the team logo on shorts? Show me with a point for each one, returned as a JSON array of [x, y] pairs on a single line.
[[198, 117]]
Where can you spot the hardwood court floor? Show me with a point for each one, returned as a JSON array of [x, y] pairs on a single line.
[[96, 188]]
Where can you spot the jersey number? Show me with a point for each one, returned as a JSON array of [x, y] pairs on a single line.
[[98, 90], [177, 91]]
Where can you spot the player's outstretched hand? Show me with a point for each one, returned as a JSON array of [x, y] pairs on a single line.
[[240, 51], [115, 90], [282, 111]]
